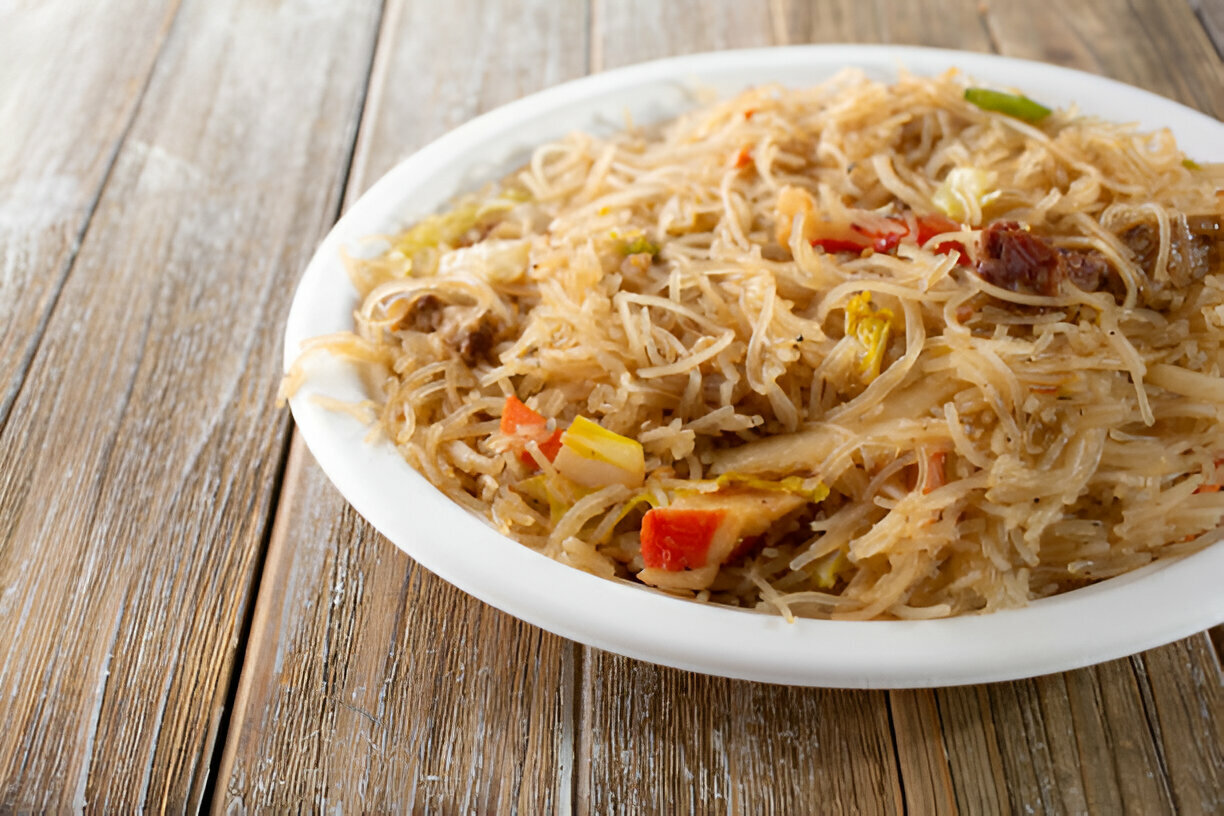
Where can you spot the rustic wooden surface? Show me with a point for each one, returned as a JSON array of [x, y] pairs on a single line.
[[191, 617]]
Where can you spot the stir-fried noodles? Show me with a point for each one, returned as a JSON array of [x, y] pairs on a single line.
[[855, 351]]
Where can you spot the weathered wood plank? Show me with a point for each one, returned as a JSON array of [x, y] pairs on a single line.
[[142, 455], [972, 748], [627, 31], [661, 740], [372, 685], [369, 684], [939, 23], [1060, 744], [93, 61], [1211, 15], [1140, 735], [692, 723], [1188, 711], [1153, 44], [922, 756]]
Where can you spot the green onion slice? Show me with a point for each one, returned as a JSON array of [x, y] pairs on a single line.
[[1019, 107]]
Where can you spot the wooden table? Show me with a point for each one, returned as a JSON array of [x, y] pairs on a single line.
[[191, 617]]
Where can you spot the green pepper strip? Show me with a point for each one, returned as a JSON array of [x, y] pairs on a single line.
[[1019, 107]]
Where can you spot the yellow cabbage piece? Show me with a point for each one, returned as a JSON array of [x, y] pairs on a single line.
[[872, 328]]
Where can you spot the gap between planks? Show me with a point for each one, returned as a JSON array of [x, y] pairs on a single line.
[[222, 754]]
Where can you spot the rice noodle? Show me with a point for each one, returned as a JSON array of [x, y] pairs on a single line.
[[1010, 445]]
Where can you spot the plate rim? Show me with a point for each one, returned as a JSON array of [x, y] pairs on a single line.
[[721, 641]]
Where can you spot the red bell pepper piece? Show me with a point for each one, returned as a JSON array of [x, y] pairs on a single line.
[[675, 538], [886, 238], [839, 245], [931, 225]]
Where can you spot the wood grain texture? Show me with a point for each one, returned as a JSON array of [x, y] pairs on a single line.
[[659, 740], [1155, 44], [627, 31], [922, 755], [1186, 712], [94, 62], [369, 684], [1211, 15], [939, 23], [143, 453]]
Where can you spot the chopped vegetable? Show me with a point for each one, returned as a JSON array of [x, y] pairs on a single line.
[[494, 261], [638, 499], [934, 224], [872, 328], [541, 489], [705, 530], [1014, 105], [674, 538], [1191, 164], [791, 484], [826, 570], [743, 158], [444, 231], [438, 230], [857, 230], [525, 425], [701, 529], [593, 456], [963, 188], [635, 243]]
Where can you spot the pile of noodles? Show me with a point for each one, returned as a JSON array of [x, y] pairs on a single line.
[[1081, 431]]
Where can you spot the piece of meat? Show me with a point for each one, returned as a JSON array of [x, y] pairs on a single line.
[[475, 342], [424, 314], [1087, 270], [1015, 259], [1194, 246]]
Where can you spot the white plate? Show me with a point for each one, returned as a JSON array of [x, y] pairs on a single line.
[[1156, 605]]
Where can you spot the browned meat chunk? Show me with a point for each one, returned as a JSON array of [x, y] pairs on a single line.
[[1015, 259], [1087, 270], [475, 342], [423, 315], [1193, 248], [472, 338]]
